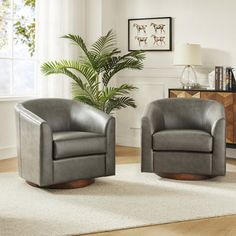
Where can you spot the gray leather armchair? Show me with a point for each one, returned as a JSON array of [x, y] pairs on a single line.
[[184, 138], [62, 140]]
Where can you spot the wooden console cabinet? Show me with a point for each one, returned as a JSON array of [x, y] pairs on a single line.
[[228, 99]]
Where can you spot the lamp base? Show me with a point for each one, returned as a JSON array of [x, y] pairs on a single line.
[[195, 86], [188, 78]]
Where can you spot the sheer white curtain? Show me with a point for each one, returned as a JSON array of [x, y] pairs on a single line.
[[56, 18]]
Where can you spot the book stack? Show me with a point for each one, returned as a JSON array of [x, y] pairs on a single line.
[[219, 77], [233, 81], [225, 80], [233, 76]]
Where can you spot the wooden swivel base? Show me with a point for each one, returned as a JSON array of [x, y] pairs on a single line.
[[69, 185], [184, 176]]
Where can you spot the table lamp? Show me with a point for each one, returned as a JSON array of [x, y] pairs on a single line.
[[188, 55]]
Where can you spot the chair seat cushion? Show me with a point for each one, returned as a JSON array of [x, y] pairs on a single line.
[[182, 140], [74, 144]]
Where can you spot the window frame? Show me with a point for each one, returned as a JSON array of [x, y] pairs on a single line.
[[11, 96]]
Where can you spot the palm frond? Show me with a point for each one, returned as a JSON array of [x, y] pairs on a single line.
[[110, 92], [121, 64], [104, 59], [78, 40], [118, 103], [85, 99], [64, 65], [131, 60], [104, 44], [138, 55], [50, 68], [86, 95], [85, 69]]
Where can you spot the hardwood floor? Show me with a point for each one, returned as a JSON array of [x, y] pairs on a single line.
[[127, 155], [218, 226], [8, 165]]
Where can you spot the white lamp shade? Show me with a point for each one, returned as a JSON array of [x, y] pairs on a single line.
[[188, 54]]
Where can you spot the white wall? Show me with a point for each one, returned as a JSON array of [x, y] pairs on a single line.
[[7, 129], [209, 23]]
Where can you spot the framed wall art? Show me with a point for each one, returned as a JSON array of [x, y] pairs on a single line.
[[150, 34]]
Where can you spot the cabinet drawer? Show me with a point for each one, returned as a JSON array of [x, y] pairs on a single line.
[[184, 94]]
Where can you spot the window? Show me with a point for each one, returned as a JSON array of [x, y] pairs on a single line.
[[17, 59]]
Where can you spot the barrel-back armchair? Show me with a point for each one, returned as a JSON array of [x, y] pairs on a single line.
[[62, 140], [184, 138]]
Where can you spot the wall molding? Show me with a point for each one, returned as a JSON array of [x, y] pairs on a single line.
[[149, 83], [173, 67], [166, 72], [7, 152]]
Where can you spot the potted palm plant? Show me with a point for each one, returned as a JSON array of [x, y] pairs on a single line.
[[94, 70]]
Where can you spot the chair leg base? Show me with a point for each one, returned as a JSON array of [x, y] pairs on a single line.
[[68, 185], [184, 176]]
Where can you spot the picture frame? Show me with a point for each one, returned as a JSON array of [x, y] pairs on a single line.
[[150, 34]]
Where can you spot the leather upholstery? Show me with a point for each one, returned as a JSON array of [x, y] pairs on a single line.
[[34, 150], [82, 167], [182, 140], [184, 135], [73, 143], [183, 162], [60, 140]]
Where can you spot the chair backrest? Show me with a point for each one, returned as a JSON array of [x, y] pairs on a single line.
[[68, 115], [56, 112], [187, 113]]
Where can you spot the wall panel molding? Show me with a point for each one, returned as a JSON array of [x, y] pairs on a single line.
[[7, 152]]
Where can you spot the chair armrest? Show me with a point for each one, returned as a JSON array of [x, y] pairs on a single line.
[[110, 131], [154, 118], [215, 125], [34, 147], [152, 121], [219, 147], [89, 119], [212, 116], [29, 115]]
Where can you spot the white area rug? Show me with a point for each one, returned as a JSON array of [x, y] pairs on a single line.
[[128, 199]]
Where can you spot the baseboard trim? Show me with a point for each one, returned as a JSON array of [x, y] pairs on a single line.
[[7, 152], [127, 141], [231, 153]]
